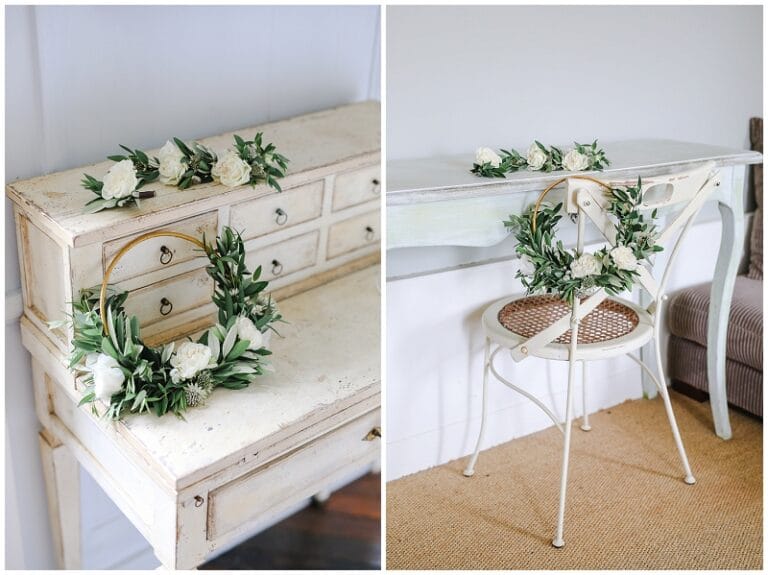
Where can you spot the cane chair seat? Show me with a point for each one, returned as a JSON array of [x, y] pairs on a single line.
[[615, 327]]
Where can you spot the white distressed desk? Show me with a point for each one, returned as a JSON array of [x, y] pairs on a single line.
[[438, 202], [196, 486]]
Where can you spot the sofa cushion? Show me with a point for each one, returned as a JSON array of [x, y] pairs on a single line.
[[688, 364], [756, 237], [688, 312]]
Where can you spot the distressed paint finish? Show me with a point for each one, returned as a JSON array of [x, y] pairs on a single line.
[[161, 471], [438, 202], [56, 240]]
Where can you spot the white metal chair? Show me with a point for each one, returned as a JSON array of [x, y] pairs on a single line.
[[598, 326]]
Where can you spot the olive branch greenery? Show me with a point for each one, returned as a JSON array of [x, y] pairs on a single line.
[[551, 261], [512, 161], [149, 385], [266, 164]]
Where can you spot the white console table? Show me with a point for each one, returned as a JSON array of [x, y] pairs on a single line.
[[438, 202]]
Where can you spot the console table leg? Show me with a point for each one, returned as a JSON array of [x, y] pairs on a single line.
[[62, 483], [728, 259]]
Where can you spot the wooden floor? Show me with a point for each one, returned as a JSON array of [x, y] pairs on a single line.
[[345, 533]]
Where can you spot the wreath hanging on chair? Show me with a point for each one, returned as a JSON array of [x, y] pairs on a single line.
[[546, 266]]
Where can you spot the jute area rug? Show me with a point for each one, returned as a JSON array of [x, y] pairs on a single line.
[[627, 507]]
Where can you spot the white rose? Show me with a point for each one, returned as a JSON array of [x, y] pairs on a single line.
[[230, 170], [624, 258], [536, 158], [108, 378], [526, 266], [189, 359], [574, 161], [487, 156], [120, 181], [246, 330], [171, 166], [586, 265]]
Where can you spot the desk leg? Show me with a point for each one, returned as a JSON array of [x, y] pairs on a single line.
[[62, 483], [728, 259], [647, 355]]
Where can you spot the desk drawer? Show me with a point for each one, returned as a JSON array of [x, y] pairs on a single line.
[[286, 257], [352, 188], [161, 252], [168, 298], [293, 476], [258, 217], [354, 233]]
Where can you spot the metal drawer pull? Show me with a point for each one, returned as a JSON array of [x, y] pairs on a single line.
[[166, 255], [166, 306], [376, 187], [199, 501], [369, 233], [277, 268], [281, 217], [373, 434]]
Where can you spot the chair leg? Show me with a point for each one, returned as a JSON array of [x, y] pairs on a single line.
[[585, 426], [558, 540], [689, 478], [469, 471]]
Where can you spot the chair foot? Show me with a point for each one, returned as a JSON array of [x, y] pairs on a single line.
[[585, 427], [558, 543], [690, 480], [469, 472]]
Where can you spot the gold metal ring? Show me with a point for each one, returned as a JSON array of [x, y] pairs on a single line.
[[557, 183], [125, 249]]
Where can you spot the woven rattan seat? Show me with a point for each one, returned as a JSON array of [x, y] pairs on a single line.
[[528, 316]]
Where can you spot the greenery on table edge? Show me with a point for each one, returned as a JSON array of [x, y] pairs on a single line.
[[552, 262], [512, 160], [267, 165], [148, 385]]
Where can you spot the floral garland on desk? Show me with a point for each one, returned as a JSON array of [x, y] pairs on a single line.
[[131, 377], [546, 266], [582, 157], [181, 165]]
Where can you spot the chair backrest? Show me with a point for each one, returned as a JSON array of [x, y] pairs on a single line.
[[684, 191]]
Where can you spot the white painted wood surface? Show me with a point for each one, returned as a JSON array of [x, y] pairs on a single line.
[[438, 202], [152, 466], [159, 471]]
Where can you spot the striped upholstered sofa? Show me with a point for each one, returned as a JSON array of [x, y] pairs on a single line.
[[687, 321]]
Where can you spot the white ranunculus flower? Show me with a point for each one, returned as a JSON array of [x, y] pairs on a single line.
[[624, 258], [586, 265], [487, 156], [120, 181], [171, 166], [574, 161], [189, 359], [246, 330], [526, 265], [230, 170], [108, 378], [536, 157]]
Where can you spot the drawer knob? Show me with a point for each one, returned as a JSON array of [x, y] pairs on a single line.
[[199, 501], [166, 255], [166, 306], [280, 217], [277, 268], [376, 187], [369, 233], [373, 434]]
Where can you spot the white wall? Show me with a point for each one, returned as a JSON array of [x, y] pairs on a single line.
[[461, 77], [80, 80]]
